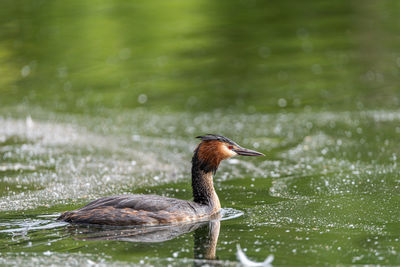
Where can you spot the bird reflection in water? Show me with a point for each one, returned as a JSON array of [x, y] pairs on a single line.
[[205, 235]]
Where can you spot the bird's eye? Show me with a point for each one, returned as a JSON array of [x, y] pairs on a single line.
[[230, 147]]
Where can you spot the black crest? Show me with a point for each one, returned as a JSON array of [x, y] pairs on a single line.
[[211, 137]]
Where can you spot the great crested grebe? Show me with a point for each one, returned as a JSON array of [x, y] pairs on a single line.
[[154, 210]]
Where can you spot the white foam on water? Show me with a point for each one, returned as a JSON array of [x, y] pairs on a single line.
[[245, 261], [83, 157]]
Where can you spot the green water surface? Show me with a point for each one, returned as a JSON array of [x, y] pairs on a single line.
[[100, 98]]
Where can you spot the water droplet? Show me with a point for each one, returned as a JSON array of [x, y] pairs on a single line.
[[25, 71], [282, 102], [142, 98]]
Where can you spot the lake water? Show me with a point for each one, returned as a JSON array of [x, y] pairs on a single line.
[[106, 98]]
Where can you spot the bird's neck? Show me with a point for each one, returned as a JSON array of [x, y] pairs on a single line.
[[202, 184]]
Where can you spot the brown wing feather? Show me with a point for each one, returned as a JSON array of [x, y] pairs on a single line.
[[136, 210]]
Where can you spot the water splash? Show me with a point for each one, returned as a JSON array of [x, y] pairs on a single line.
[[245, 261]]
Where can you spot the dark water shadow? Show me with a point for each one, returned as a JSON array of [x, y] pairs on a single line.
[[205, 234], [149, 234]]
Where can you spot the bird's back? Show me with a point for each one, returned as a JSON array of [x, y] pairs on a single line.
[[137, 210]]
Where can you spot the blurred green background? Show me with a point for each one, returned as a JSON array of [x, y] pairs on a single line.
[[200, 55], [105, 97]]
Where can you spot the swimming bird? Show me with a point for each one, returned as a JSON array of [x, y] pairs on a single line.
[[140, 209]]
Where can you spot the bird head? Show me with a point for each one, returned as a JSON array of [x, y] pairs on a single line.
[[215, 148]]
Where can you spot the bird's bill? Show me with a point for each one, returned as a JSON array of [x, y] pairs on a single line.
[[247, 152]]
